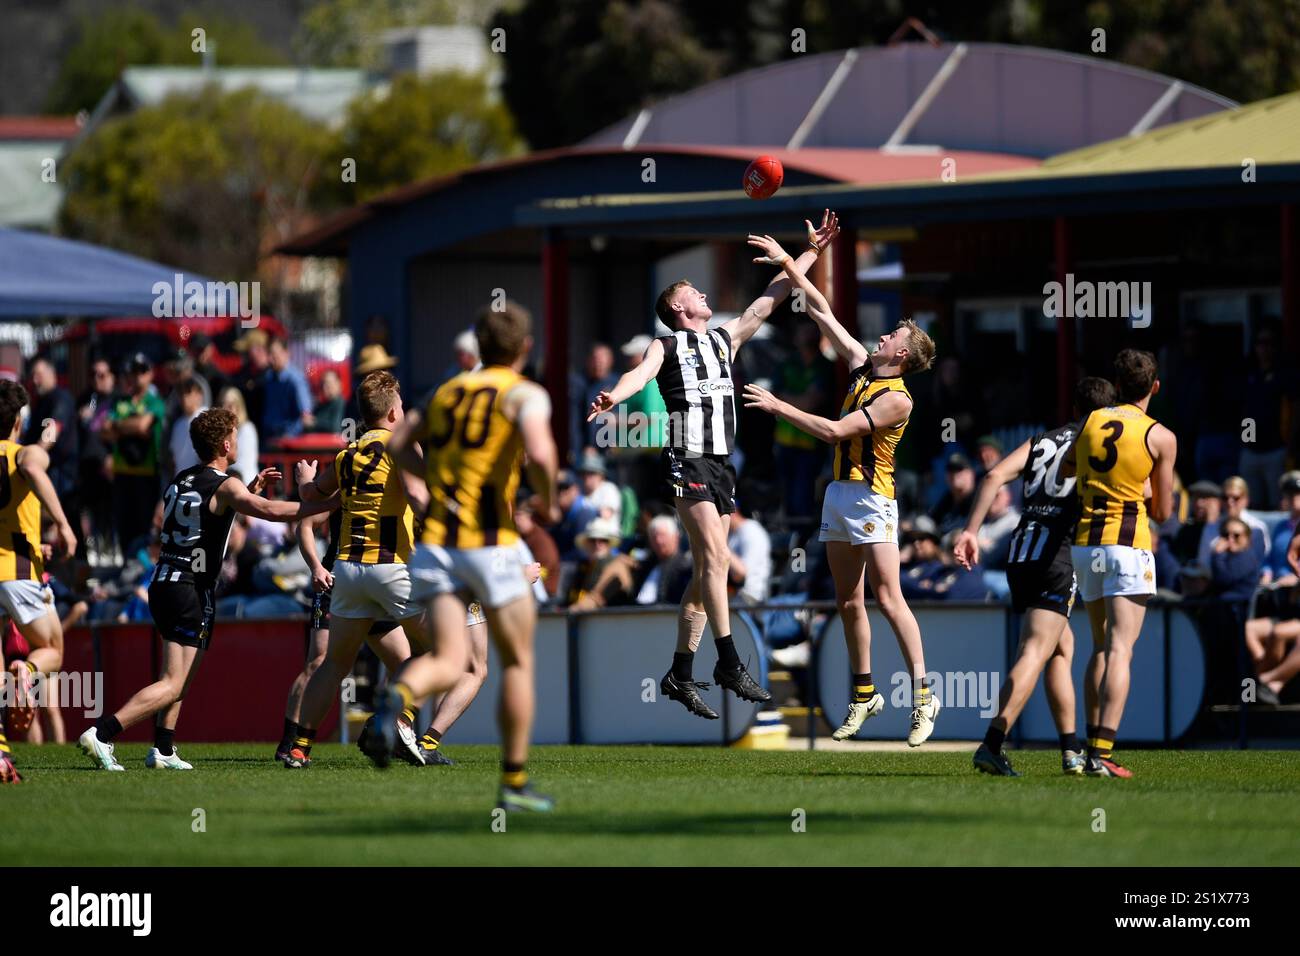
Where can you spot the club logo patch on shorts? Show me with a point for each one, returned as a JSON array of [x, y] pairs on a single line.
[[870, 527], [1148, 577]]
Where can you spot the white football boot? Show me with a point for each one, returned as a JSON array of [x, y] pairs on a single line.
[[98, 751], [923, 722], [156, 761], [859, 711]]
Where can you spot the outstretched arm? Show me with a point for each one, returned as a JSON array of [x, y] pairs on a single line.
[[846, 346], [967, 548], [891, 409], [234, 494], [33, 463], [632, 381], [742, 328]]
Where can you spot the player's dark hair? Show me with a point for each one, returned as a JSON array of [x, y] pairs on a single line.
[[1092, 393], [501, 333], [663, 305], [12, 399], [1135, 375], [376, 394], [209, 429]]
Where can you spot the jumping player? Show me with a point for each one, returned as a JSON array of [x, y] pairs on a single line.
[[198, 509], [25, 488], [476, 430], [693, 368], [1041, 576], [1120, 453], [860, 513]]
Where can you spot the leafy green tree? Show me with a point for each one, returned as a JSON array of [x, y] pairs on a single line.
[[422, 127], [346, 32], [128, 36], [201, 182]]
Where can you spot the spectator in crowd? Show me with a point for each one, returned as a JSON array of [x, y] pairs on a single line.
[[803, 382], [988, 452], [596, 543], [464, 352], [96, 466], [287, 397], [179, 370], [659, 574], [935, 575], [327, 416], [1236, 499], [245, 436], [583, 389], [181, 453], [1276, 568], [1269, 391], [1233, 576], [646, 415], [1273, 642], [372, 358], [134, 430], [953, 508], [1207, 498], [1234, 563], [251, 380], [541, 544], [597, 495], [53, 425], [751, 557], [204, 353]]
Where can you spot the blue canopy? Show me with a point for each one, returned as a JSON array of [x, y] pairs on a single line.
[[43, 275]]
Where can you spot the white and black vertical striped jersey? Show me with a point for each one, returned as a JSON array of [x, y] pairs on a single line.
[[695, 380], [1050, 508], [193, 538]]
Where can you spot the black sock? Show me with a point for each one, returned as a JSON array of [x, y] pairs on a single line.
[[994, 739], [727, 656], [163, 738], [1069, 742], [107, 727], [290, 731], [683, 661], [863, 688], [1091, 731]]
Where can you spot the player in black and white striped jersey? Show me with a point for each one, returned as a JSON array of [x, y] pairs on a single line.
[[693, 368], [1041, 575]]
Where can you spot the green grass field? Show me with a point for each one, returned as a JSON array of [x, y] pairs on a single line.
[[653, 805]]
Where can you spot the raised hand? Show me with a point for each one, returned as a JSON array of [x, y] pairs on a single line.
[[603, 403], [773, 254], [823, 236], [760, 398], [303, 472], [264, 480]]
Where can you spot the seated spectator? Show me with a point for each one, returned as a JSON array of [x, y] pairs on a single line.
[[1236, 498], [935, 574], [1233, 576], [995, 534], [327, 416], [662, 573], [180, 450], [1273, 642], [1185, 544], [285, 396], [1276, 568], [953, 508], [1234, 563], [597, 496], [541, 544], [751, 558], [597, 544]]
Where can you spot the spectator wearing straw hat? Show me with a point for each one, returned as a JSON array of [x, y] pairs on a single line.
[[373, 357], [597, 544]]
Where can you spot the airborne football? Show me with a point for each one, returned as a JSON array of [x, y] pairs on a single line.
[[417, 451]]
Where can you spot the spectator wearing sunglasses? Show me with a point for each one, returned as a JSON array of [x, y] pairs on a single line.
[[1236, 499]]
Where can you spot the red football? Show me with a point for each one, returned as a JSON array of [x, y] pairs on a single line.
[[763, 177]]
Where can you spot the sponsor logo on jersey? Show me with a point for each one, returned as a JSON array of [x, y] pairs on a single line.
[[715, 387]]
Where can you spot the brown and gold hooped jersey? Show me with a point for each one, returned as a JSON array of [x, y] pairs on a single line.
[[869, 457], [376, 522], [1112, 463], [20, 521], [472, 458]]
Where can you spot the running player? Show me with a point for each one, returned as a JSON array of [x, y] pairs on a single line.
[[860, 513], [198, 509], [1041, 576], [1120, 456], [476, 430], [25, 488], [371, 580], [693, 368]]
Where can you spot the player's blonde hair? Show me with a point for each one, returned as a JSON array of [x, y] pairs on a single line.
[[376, 394], [920, 347]]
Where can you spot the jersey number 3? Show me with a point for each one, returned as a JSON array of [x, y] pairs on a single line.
[[1108, 446]]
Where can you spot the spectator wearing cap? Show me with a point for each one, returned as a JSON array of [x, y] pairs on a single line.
[[802, 382], [1236, 499], [251, 380], [287, 398], [954, 507], [134, 430], [1276, 568], [597, 495], [1206, 501], [989, 450], [204, 352], [53, 425], [646, 416]]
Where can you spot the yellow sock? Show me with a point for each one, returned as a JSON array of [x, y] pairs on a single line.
[[514, 779]]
